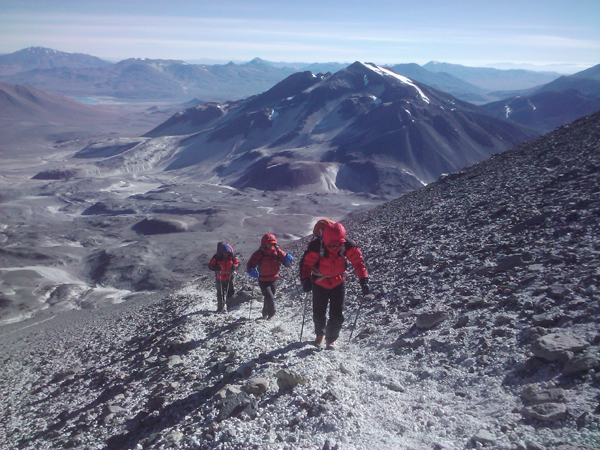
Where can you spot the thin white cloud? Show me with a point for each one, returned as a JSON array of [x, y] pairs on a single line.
[[180, 37]]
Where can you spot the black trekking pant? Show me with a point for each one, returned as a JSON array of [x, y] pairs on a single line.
[[268, 289], [323, 297], [225, 291]]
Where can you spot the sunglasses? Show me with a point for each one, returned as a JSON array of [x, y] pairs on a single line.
[[271, 245], [335, 247]]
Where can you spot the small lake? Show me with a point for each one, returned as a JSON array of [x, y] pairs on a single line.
[[86, 100]]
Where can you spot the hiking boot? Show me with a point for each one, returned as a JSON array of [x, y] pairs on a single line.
[[330, 345], [319, 339]]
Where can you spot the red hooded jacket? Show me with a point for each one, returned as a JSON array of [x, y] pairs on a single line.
[[326, 264], [267, 259], [223, 262]]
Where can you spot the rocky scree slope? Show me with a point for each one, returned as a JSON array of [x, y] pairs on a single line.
[[483, 332]]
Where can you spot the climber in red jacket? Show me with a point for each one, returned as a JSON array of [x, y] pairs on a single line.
[[224, 264], [268, 258], [323, 271]]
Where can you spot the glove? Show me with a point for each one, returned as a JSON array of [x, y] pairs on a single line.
[[253, 273], [216, 268], [288, 259], [364, 284], [307, 285]]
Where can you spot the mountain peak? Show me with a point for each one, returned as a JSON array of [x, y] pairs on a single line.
[[258, 62], [45, 58], [40, 50], [386, 74]]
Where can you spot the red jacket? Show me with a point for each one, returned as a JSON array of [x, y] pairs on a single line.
[[267, 259], [224, 262], [325, 264]]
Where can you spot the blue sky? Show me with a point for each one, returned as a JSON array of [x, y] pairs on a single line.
[[475, 33]]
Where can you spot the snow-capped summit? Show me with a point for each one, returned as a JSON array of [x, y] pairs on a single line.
[[364, 129], [389, 73]]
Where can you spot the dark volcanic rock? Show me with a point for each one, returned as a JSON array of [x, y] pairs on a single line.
[[108, 209], [57, 174], [159, 226]]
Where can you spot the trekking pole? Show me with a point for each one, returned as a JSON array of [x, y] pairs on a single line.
[[356, 317], [224, 289], [250, 312], [303, 315]]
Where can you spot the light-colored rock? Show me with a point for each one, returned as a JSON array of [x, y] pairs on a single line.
[[114, 409], [287, 379], [393, 386], [174, 360], [257, 386], [175, 437], [345, 369], [228, 391], [484, 437]]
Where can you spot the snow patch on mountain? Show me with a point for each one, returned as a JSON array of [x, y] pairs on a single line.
[[386, 72]]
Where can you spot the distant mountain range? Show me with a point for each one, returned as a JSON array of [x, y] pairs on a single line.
[[45, 58], [557, 103], [490, 79], [542, 100], [82, 75], [364, 129], [150, 79]]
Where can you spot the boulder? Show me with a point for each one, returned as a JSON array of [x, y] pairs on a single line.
[[237, 404], [548, 412], [508, 263], [535, 396], [545, 320], [431, 319], [557, 346], [237, 299], [558, 292], [581, 363]]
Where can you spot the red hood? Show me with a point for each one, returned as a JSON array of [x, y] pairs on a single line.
[[334, 234], [318, 228], [268, 238]]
